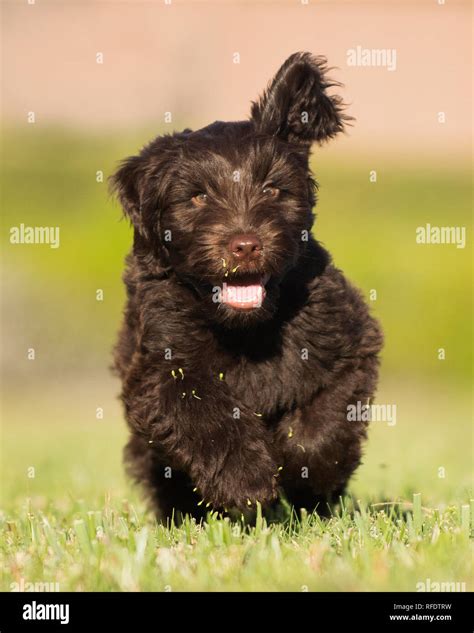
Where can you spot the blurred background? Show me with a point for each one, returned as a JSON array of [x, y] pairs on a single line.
[[98, 78]]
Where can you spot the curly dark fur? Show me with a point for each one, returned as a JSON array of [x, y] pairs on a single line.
[[231, 405]]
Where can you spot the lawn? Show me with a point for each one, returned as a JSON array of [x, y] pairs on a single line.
[[75, 521]]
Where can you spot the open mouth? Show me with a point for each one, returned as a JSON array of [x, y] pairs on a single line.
[[245, 292]]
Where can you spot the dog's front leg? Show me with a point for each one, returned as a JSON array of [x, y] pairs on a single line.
[[319, 446], [192, 420]]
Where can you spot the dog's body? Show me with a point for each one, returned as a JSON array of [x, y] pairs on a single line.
[[242, 346]]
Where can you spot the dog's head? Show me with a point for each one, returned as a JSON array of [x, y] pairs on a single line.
[[228, 208]]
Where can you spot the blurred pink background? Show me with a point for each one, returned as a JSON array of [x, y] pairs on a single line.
[[179, 58]]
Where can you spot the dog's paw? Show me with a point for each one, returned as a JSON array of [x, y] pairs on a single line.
[[247, 476]]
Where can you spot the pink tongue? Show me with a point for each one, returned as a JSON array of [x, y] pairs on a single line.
[[243, 296]]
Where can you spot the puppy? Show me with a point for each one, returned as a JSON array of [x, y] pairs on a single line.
[[242, 345]]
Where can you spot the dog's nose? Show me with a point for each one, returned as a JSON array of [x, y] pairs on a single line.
[[245, 246]]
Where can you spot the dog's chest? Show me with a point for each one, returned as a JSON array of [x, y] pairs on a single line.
[[247, 380], [259, 385], [272, 379]]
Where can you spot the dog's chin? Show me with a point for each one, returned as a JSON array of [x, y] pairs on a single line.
[[237, 318]]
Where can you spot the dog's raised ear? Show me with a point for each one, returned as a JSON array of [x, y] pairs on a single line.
[[296, 105]]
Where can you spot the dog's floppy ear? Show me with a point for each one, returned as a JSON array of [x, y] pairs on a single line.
[[140, 182], [127, 184], [296, 105]]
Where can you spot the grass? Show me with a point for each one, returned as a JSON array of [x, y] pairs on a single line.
[[116, 548], [78, 523]]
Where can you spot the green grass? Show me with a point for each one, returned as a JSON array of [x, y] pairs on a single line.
[[116, 548], [78, 522]]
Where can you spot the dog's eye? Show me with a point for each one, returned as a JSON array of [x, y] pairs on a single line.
[[199, 200], [271, 192]]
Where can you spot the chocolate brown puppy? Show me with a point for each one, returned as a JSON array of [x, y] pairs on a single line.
[[242, 345]]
